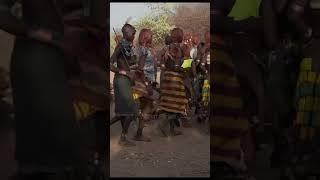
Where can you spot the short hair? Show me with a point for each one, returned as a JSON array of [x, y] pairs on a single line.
[[145, 36], [128, 28], [177, 35]]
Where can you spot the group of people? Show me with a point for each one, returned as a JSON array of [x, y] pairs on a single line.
[[57, 75], [265, 69], [182, 61]]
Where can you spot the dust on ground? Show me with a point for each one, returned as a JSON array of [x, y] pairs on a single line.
[[187, 155]]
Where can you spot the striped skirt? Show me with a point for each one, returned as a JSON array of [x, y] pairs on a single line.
[[307, 102], [139, 90], [229, 123], [173, 93]]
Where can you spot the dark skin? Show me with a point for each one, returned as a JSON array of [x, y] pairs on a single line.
[[119, 58], [194, 63], [162, 57], [269, 19], [202, 56], [162, 53], [274, 10], [194, 69], [174, 54]]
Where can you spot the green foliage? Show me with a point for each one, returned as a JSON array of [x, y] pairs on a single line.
[[157, 21], [164, 9], [158, 25], [165, 16]]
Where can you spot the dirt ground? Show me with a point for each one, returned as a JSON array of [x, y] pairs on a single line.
[[187, 155], [182, 156]]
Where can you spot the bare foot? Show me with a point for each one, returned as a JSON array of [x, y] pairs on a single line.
[[126, 143]]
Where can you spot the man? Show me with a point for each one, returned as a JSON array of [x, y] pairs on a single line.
[[125, 107]]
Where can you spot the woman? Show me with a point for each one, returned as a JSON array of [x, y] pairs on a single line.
[[173, 102], [145, 77], [146, 57]]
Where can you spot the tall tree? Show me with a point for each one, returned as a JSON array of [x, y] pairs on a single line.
[[193, 18], [158, 25]]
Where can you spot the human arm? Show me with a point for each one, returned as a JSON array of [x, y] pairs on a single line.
[[142, 58], [270, 23], [161, 58]]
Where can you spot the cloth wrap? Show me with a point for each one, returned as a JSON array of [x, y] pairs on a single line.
[[124, 102], [173, 93], [307, 101], [228, 123]]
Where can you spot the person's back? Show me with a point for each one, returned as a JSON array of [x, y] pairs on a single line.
[[228, 116]]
